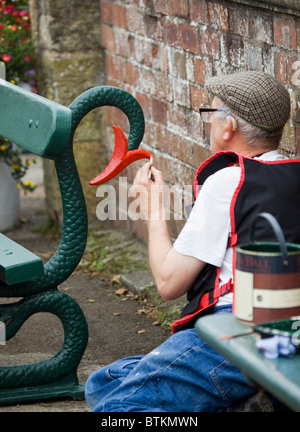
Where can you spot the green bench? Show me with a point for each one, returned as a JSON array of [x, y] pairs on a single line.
[[46, 128], [278, 377], [17, 264]]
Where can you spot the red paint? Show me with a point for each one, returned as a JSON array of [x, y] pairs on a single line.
[[121, 158]]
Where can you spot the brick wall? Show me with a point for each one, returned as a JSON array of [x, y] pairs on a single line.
[[162, 51]]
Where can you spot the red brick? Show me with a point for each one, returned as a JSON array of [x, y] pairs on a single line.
[[198, 97], [180, 59], [180, 8], [115, 67], [285, 33], [121, 42], [135, 20], [209, 44], [178, 117], [143, 51], [119, 16], [147, 81], [239, 20], [280, 67], [198, 11], [132, 74], [201, 154], [189, 38], [232, 49], [291, 68], [117, 117], [171, 33], [261, 27], [162, 6], [159, 111], [218, 15], [181, 93], [200, 67], [113, 14], [106, 11], [144, 102], [108, 38], [153, 27], [174, 144], [164, 87]]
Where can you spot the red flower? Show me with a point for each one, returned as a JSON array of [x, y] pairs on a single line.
[[6, 57]]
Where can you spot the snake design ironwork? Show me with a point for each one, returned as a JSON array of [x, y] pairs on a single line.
[[42, 295]]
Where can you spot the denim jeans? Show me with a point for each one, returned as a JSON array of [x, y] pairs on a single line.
[[183, 374]]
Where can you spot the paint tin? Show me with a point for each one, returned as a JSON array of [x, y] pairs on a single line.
[[267, 278]]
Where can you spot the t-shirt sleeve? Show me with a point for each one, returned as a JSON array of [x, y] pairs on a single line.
[[205, 234]]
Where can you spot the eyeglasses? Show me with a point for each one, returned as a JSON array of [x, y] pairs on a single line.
[[206, 113]]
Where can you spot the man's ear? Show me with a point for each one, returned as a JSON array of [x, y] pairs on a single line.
[[231, 126]]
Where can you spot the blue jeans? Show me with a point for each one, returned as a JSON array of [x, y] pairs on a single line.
[[183, 374]]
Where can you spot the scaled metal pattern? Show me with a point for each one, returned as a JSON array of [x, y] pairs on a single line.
[[57, 376]]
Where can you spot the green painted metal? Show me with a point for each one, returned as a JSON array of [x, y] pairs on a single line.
[[39, 125], [280, 376], [18, 264], [58, 375]]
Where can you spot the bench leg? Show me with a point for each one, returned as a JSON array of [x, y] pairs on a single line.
[[57, 376]]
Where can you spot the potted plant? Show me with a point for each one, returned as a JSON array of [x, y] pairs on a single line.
[[16, 51]]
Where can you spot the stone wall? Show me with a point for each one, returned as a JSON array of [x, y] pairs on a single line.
[[162, 51], [67, 37]]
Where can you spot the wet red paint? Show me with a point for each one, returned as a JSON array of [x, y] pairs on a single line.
[[121, 158]]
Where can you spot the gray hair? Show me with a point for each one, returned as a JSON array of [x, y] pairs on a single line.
[[256, 136]]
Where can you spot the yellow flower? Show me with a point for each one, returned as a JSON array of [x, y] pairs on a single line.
[[3, 147], [13, 81], [29, 183], [15, 166], [28, 163], [19, 185]]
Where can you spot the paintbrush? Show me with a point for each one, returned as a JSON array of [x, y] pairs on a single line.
[[237, 335]]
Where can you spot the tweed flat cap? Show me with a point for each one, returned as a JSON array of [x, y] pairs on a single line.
[[254, 96]]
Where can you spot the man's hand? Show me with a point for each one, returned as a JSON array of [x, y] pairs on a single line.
[[173, 273], [149, 185]]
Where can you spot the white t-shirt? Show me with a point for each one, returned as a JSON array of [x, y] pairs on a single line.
[[205, 234]]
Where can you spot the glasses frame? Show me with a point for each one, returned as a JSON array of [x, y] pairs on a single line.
[[207, 109], [204, 109]]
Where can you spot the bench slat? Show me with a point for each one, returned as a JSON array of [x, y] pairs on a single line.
[[33, 122], [18, 264]]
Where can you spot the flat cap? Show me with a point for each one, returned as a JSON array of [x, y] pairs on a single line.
[[254, 96]]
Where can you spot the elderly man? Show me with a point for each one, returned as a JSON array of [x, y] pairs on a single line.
[[245, 175]]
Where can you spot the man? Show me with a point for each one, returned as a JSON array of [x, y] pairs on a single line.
[[247, 116]]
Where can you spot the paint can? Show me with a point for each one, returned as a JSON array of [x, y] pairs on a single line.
[[267, 277]]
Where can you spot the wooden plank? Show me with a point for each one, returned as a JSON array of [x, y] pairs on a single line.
[[18, 264]]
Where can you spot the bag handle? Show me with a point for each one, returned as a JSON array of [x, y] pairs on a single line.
[[277, 230]]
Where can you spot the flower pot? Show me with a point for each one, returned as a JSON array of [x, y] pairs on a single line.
[[9, 199]]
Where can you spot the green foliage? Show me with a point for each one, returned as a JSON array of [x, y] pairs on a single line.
[[16, 48]]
